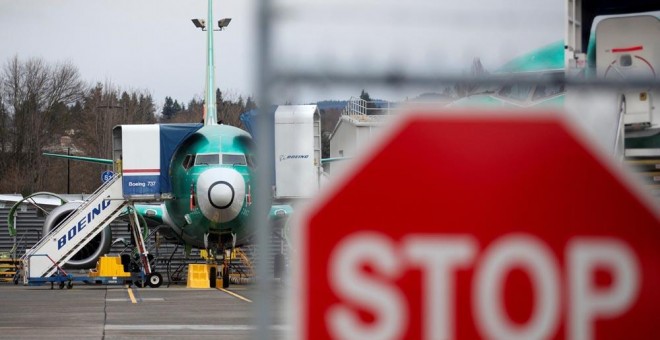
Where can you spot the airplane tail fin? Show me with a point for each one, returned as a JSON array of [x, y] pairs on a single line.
[[210, 114]]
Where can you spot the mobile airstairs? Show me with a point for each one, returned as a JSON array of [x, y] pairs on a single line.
[[44, 262], [141, 154]]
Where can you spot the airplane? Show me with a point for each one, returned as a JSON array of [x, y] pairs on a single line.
[[544, 64], [211, 174]]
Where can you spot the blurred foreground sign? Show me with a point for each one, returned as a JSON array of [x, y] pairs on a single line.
[[487, 225]]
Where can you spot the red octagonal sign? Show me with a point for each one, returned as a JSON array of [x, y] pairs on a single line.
[[480, 226]]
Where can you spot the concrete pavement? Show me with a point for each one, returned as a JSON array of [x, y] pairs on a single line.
[[117, 312]]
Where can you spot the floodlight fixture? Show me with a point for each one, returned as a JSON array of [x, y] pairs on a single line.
[[199, 23], [222, 23]]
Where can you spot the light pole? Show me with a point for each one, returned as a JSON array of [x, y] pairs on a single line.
[[210, 115], [201, 23], [68, 172]]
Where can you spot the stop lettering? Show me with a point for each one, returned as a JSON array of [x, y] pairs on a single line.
[[480, 226]]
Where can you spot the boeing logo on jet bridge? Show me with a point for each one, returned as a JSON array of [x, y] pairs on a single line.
[[82, 223], [285, 157]]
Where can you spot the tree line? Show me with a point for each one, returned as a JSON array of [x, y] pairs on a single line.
[[229, 109], [47, 107]]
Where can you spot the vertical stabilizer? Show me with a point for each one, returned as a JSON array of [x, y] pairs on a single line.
[[210, 112]]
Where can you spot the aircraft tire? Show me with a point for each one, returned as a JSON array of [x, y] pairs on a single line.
[[225, 276], [154, 280], [213, 276]]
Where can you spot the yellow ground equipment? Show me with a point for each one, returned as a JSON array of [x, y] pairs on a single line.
[[8, 269], [202, 275], [109, 266]]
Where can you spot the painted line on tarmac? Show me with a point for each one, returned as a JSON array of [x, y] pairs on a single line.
[[130, 294], [234, 294], [170, 327], [127, 299]]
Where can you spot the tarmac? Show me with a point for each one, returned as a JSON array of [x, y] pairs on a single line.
[[122, 312]]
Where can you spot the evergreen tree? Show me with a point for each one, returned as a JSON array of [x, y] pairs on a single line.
[[365, 96], [168, 109], [218, 97], [250, 104], [176, 107], [371, 107]]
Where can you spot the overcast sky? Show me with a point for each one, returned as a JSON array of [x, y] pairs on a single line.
[[152, 45]]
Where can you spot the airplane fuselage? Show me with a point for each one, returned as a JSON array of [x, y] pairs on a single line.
[[211, 183]]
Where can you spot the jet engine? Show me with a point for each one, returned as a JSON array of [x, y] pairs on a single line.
[[86, 258]]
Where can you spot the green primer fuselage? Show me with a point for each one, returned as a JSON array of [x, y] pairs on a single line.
[[209, 139], [543, 64]]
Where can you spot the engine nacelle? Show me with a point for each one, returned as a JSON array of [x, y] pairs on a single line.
[[86, 258]]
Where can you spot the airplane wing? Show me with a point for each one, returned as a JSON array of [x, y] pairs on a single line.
[[79, 158], [39, 199], [4, 199], [155, 213]]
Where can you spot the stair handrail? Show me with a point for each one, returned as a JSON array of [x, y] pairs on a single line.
[[19, 242], [69, 218], [104, 222], [355, 106], [619, 153]]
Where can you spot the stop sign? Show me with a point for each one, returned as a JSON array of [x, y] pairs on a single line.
[[480, 226]]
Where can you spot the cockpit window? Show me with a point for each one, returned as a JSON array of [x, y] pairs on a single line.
[[188, 161], [207, 159], [547, 91], [250, 161], [552, 85], [234, 159], [515, 91]]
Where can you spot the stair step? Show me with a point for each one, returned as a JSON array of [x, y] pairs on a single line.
[[645, 152], [649, 173], [643, 161], [653, 190], [650, 177]]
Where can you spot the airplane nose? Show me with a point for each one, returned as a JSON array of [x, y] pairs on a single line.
[[220, 194]]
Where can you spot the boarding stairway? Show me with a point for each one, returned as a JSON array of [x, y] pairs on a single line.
[[648, 168], [48, 255], [645, 162]]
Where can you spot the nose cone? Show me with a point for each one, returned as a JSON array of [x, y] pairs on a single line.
[[220, 194]]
